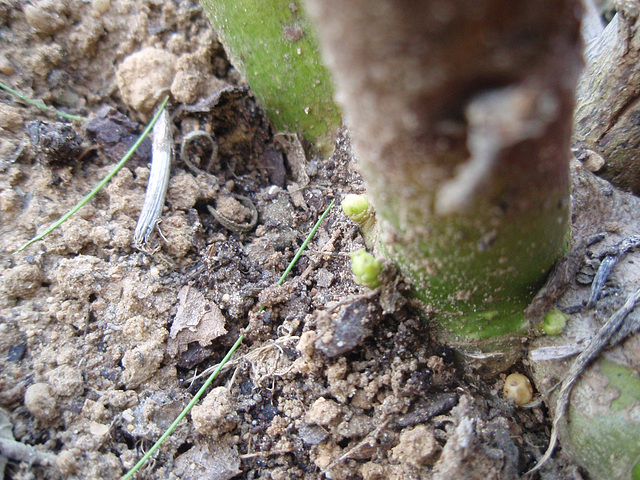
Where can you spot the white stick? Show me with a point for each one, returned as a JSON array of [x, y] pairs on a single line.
[[158, 180]]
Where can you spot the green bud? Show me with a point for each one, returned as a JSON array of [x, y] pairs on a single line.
[[366, 268], [356, 207], [554, 322]]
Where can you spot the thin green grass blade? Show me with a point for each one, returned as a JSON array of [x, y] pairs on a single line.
[[184, 412], [42, 106], [104, 181], [305, 243], [215, 373]]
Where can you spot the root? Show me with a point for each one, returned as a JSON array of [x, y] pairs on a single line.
[[266, 361], [611, 333], [606, 266]]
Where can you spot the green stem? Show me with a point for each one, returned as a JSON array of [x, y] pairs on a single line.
[[184, 412], [305, 243], [464, 145], [42, 105], [274, 46]]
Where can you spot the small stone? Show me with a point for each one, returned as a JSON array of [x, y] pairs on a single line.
[[40, 402], [6, 66], [67, 461], [66, 381], [101, 6], [10, 118], [98, 429], [95, 411], [323, 412], [324, 278], [143, 76], [121, 399], [44, 16], [184, 191], [306, 344], [312, 434], [358, 426], [141, 363], [373, 471], [593, 161], [232, 209], [349, 329], [417, 447], [22, 280], [185, 86], [216, 414]]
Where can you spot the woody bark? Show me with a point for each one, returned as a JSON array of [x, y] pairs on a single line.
[[608, 106]]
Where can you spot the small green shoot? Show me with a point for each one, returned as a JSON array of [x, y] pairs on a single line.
[[554, 322], [42, 106], [366, 268], [104, 181], [305, 243], [356, 207], [184, 412], [215, 373]]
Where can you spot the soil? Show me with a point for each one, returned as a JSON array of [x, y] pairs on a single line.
[[102, 344]]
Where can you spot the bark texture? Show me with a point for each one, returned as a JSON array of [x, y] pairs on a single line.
[[461, 114], [608, 107]]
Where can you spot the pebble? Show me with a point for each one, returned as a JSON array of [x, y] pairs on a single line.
[[418, 446], [216, 414], [101, 6], [40, 402], [66, 381], [143, 76]]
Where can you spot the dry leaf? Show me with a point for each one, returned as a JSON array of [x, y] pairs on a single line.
[[197, 320], [217, 461]]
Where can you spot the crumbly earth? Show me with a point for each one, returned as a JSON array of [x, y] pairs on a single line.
[[102, 344]]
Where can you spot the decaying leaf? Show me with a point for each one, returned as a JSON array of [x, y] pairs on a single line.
[[197, 320], [217, 461]]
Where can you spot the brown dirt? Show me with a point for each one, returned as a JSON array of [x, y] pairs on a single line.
[[326, 385]]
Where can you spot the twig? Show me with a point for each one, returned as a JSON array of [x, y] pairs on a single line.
[[235, 226], [158, 180], [313, 262], [305, 243], [255, 356], [184, 156], [365, 441], [264, 454], [369, 294], [20, 452]]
